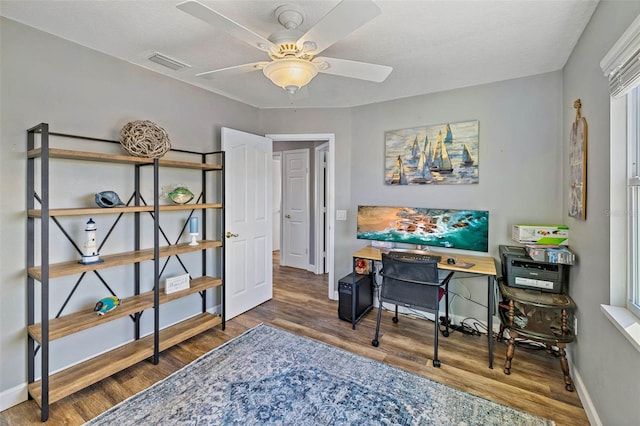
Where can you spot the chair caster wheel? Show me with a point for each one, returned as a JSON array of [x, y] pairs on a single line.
[[395, 320], [569, 387], [436, 363], [445, 333], [375, 343]]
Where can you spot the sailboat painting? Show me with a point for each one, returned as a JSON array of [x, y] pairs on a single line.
[[435, 154]]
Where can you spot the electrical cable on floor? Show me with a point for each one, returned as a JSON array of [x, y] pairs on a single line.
[[467, 298], [526, 344]]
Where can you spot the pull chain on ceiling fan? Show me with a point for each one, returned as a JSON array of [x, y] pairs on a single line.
[[293, 54]]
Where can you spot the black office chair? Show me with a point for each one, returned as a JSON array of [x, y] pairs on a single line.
[[413, 284]]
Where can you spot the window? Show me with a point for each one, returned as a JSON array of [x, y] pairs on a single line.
[[633, 201], [622, 66]]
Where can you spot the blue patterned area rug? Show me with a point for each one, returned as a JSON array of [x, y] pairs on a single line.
[[270, 376]]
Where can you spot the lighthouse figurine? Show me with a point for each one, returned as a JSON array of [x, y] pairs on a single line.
[[90, 250]]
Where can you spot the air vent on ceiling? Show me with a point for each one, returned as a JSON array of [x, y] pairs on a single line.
[[168, 62]]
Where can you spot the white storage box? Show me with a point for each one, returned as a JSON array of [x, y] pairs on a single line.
[[540, 234]]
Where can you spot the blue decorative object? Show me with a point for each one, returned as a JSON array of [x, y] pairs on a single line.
[[108, 199], [107, 304], [193, 230], [193, 225]]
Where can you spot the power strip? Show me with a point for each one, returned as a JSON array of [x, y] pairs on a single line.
[[465, 330], [460, 328]]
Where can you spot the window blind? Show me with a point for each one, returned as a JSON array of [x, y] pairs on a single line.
[[622, 64]]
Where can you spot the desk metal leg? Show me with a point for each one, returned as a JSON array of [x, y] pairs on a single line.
[[490, 310]]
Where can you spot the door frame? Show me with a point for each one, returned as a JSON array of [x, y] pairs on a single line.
[[329, 138], [320, 193], [278, 217]]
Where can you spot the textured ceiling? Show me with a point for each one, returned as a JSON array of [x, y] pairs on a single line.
[[431, 45]]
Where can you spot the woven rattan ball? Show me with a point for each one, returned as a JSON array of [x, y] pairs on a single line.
[[144, 138]]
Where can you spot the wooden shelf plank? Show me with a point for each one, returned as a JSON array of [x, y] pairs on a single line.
[[197, 285], [122, 159], [73, 267], [184, 330], [189, 165], [87, 318], [90, 156], [85, 374], [116, 210]]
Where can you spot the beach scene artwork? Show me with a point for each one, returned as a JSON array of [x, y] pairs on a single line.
[[461, 229], [433, 155]]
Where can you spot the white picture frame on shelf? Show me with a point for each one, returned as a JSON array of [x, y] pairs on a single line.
[[173, 284]]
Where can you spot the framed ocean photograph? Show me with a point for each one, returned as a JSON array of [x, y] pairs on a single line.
[[431, 155], [450, 228]]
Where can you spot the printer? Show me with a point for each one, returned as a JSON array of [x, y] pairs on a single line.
[[520, 270]]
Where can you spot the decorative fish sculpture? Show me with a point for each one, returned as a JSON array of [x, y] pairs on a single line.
[[180, 195], [106, 304], [108, 199]]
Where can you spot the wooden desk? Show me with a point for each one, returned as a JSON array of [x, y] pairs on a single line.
[[483, 265]]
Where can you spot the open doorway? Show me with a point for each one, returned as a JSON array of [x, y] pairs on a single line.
[[321, 195]]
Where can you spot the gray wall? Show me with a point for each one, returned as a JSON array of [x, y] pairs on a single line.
[[520, 159], [81, 91], [606, 362]]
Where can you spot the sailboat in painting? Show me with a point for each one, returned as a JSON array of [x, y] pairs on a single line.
[[399, 175], [441, 162], [448, 139], [467, 159], [415, 149]]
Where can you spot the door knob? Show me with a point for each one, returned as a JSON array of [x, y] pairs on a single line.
[[229, 234], [288, 216]]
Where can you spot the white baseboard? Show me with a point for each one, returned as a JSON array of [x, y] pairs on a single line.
[[587, 403], [13, 396]]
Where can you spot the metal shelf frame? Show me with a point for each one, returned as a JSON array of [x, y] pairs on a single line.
[[38, 146]]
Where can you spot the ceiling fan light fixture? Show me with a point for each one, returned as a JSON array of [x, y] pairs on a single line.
[[290, 73]]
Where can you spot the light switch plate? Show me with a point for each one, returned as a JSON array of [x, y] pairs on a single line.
[[341, 215]]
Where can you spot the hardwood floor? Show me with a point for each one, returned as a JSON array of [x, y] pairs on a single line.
[[300, 305]]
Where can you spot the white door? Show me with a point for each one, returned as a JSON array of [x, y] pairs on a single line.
[[248, 265], [277, 198], [295, 209]]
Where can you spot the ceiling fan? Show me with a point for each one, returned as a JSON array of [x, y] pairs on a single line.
[[293, 54]]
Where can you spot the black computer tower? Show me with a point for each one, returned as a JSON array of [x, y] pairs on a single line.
[[363, 295]]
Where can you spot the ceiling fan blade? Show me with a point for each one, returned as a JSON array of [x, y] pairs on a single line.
[[341, 21], [238, 69], [353, 69], [204, 13]]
